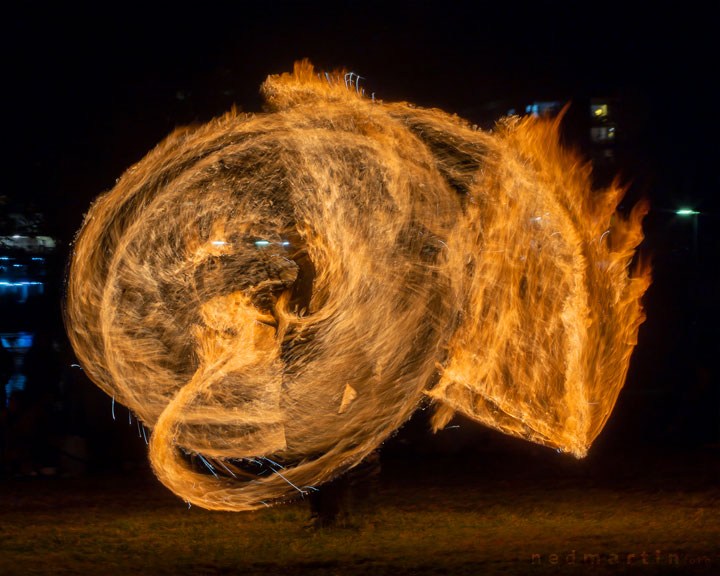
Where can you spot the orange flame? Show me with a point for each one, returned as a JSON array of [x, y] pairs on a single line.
[[275, 294]]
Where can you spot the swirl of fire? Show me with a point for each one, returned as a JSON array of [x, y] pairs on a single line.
[[275, 294]]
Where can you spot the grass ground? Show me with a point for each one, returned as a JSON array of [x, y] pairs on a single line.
[[428, 517]]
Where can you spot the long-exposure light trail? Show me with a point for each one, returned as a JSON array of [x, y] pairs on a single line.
[[281, 291]]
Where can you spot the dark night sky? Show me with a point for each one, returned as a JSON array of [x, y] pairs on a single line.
[[87, 94]]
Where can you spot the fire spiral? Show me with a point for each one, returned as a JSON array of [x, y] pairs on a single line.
[[275, 294]]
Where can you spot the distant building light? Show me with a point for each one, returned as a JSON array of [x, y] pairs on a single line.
[[17, 340], [261, 242], [219, 243], [550, 108], [21, 291], [686, 212], [28, 243], [15, 384], [602, 133], [599, 111]]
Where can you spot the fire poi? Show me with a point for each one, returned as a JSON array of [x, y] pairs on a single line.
[[274, 294]]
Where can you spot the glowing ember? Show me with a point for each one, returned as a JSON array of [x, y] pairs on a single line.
[[275, 294]]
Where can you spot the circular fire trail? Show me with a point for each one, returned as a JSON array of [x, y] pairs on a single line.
[[275, 294]]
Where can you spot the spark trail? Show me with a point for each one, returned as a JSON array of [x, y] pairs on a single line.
[[273, 295]]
